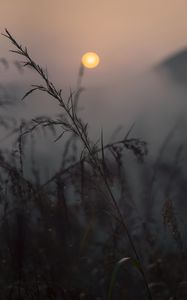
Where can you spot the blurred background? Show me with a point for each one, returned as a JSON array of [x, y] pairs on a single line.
[[131, 38], [141, 80], [141, 77]]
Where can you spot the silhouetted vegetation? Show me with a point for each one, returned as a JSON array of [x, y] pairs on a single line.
[[80, 233]]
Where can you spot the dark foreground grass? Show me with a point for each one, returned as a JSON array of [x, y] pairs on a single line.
[[74, 236]]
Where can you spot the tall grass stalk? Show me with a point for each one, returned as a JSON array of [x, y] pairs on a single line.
[[71, 123]]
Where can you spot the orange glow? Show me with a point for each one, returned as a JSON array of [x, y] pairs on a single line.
[[90, 60]]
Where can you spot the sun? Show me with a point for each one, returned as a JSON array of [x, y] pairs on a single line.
[[90, 60]]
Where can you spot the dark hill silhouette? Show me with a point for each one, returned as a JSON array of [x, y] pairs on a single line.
[[175, 66]]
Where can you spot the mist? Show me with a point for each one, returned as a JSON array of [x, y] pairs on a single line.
[[76, 207]]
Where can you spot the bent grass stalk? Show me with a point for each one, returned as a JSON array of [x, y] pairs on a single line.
[[117, 268], [71, 123]]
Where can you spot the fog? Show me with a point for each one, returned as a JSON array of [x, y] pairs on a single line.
[[64, 229], [131, 38]]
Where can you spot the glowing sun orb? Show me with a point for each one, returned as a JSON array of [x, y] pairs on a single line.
[[90, 60]]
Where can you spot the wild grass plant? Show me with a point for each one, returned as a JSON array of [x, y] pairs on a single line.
[[72, 237]]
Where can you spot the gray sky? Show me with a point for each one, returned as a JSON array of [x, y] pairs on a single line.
[[130, 37], [127, 34]]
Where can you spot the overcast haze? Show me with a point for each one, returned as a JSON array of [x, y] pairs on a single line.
[[126, 34], [131, 37]]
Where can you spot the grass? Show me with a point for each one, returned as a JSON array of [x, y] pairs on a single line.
[[61, 239]]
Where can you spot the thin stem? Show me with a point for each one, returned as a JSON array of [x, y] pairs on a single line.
[[76, 125]]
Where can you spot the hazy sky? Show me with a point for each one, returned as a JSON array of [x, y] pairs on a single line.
[[127, 34], [130, 37]]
